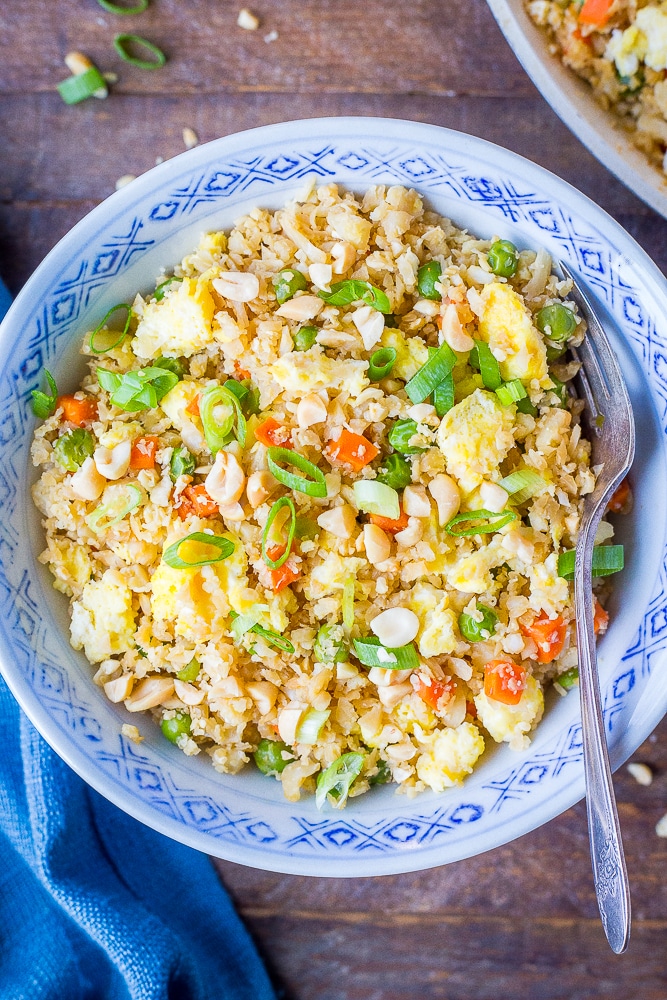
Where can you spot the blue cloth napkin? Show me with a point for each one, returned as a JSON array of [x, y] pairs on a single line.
[[96, 906]]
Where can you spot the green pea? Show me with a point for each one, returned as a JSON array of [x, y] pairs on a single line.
[[72, 449], [556, 322], [269, 756], [401, 434], [182, 463], [475, 631], [190, 672], [287, 283], [179, 725], [427, 275], [503, 258], [329, 646], [395, 471], [568, 679], [383, 774], [305, 338], [175, 365], [554, 353]]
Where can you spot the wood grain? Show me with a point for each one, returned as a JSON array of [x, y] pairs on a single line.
[[518, 923]]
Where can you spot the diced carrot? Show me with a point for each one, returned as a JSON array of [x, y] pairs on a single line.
[[273, 434], [390, 524], [195, 500], [240, 372], [548, 635], [193, 406], [77, 411], [471, 709], [434, 693], [600, 618], [143, 452], [620, 499], [351, 449], [596, 12], [504, 681], [285, 574]]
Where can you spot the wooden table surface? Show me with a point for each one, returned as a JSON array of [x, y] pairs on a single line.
[[521, 921]]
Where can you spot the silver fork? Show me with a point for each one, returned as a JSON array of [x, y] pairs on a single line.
[[611, 430]]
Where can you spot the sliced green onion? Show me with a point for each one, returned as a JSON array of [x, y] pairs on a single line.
[[72, 449], [281, 504], [310, 726], [179, 725], [116, 8], [488, 366], [43, 405], [338, 778], [329, 645], [503, 258], [237, 388], [375, 497], [372, 653], [249, 623], [476, 631], [343, 293], [137, 390], [274, 639], [190, 672], [381, 363], [182, 463], [161, 289], [314, 486], [523, 484], [175, 365], [480, 522], [305, 528], [287, 283], [559, 389], [246, 623], [348, 604], [383, 774], [218, 430], [511, 392], [568, 679], [525, 406], [120, 337], [123, 44], [224, 546], [400, 436], [269, 756], [607, 559], [556, 322], [395, 471], [81, 86], [427, 275], [305, 337], [117, 502], [443, 395], [430, 375]]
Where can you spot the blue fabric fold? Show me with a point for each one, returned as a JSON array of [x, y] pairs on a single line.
[[96, 906]]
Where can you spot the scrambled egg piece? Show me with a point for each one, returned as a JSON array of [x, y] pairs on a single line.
[[475, 436], [331, 575], [302, 371], [175, 404], [547, 588], [451, 755], [509, 722], [184, 595], [413, 711], [411, 352], [472, 574], [437, 634], [652, 21], [626, 49], [508, 328], [119, 431], [70, 565], [179, 325], [102, 619]]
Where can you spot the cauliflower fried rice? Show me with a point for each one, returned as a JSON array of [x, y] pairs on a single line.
[[373, 605]]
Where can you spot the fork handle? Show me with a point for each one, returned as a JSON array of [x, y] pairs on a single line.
[[609, 869]]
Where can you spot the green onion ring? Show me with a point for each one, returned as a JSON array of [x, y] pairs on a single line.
[[314, 487], [172, 558], [488, 366], [381, 363], [348, 604], [443, 395], [493, 520], [430, 375], [217, 435], [273, 638], [80, 86], [121, 42], [107, 515], [160, 289], [273, 513], [523, 484], [121, 337], [372, 653], [511, 392], [115, 8], [607, 559]]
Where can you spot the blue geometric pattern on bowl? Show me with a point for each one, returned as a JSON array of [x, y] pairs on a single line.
[[244, 817]]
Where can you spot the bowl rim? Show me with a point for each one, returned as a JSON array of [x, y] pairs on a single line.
[[87, 769], [573, 101]]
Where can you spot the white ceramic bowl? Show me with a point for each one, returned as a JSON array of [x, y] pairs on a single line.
[[572, 99], [119, 248]]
